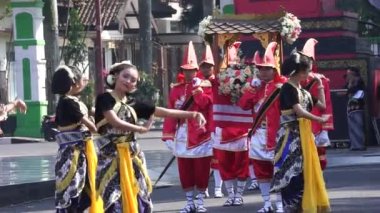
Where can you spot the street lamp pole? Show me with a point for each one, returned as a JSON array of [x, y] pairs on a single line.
[[98, 49]]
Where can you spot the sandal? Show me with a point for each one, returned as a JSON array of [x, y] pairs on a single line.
[[238, 201], [267, 209], [254, 185], [201, 209], [229, 202], [188, 209]]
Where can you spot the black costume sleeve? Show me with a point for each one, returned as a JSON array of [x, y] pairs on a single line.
[[143, 109], [103, 103], [288, 97]]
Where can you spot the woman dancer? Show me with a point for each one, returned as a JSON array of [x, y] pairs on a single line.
[[75, 166], [298, 175], [123, 181]]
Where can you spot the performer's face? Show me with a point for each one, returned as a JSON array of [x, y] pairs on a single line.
[[266, 73], [126, 80], [304, 74], [80, 85], [189, 74], [207, 69]]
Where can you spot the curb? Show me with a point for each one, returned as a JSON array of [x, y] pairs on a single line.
[[20, 193]]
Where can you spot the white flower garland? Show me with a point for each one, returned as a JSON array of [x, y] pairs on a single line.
[[291, 28], [203, 26]]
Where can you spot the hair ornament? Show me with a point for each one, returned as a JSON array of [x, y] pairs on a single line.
[[110, 79]]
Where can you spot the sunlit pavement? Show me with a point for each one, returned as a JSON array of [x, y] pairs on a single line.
[[353, 178]]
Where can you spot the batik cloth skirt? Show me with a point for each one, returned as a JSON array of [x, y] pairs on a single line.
[[75, 171], [122, 179], [297, 172]]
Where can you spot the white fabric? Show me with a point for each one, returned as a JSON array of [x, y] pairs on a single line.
[[218, 180], [230, 109], [265, 192], [251, 172], [235, 146], [196, 82], [322, 139], [170, 145], [181, 150], [232, 118], [255, 82], [257, 149], [359, 94]]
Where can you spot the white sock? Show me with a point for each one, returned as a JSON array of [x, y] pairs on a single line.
[[201, 198], [265, 193], [230, 188], [279, 201], [240, 188], [218, 180], [190, 197]]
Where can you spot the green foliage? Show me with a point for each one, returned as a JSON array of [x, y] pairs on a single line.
[[146, 91], [75, 52], [8, 10], [367, 14], [192, 13], [87, 95]]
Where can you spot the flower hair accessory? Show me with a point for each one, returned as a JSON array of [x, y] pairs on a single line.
[[110, 79], [290, 28]]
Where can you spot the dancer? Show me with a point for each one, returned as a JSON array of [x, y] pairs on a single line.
[[75, 166], [122, 179], [297, 173], [230, 138], [207, 72], [262, 99], [193, 145]]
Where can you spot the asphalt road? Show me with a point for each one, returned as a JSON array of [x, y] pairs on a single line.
[[351, 189]]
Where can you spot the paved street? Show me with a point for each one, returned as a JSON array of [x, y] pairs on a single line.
[[351, 189], [353, 178]]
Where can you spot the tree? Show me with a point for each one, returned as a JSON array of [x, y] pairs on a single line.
[[368, 14], [75, 52], [192, 14]]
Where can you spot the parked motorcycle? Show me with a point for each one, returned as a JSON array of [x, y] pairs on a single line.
[[49, 127]]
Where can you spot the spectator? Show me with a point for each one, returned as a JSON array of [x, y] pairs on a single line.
[[5, 108], [355, 108]]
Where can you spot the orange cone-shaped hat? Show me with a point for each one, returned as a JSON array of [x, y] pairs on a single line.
[[207, 56], [268, 59], [190, 60], [309, 48]]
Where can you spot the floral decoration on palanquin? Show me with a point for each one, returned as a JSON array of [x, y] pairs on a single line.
[[234, 80], [290, 28]]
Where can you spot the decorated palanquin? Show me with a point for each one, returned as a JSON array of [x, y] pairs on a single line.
[[234, 69]]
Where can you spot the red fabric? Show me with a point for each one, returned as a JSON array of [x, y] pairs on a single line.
[[322, 157], [329, 125], [238, 129], [214, 160], [233, 165], [252, 96], [194, 172], [202, 103], [263, 169]]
